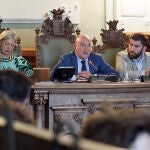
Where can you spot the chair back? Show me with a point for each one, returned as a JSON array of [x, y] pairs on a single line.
[[51, 51], [56, 38], [28, 137], [113, 41], [110, 56]]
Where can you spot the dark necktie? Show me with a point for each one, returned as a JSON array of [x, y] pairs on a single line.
[[83, 65]]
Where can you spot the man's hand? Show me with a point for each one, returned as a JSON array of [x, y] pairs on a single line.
[[84, 75], [147, 71]]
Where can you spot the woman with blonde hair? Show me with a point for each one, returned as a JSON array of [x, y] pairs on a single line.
[[7, 59]]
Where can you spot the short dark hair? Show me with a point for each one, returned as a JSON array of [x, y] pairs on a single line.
[[120, 128], [140, 37], [15, 84]]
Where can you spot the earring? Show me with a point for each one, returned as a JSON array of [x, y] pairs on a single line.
[[0, 56], [11, 56]]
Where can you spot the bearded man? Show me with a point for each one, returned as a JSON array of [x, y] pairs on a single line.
[[135, 57]]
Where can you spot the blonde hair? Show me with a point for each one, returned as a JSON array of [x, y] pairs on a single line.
[[7, 34]]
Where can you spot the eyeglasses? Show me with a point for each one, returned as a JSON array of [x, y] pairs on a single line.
[[9, 44], [85, 45]]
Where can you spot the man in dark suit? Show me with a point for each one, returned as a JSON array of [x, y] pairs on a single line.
[[85, 62]]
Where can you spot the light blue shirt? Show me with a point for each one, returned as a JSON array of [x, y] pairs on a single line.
[[138, 63], [80, 64]]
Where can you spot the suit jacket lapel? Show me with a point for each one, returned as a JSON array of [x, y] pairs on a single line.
[[91, 67], [74, 62]]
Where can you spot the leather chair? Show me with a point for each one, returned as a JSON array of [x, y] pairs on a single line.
[[49, 53], [113, 42], [56, 38]]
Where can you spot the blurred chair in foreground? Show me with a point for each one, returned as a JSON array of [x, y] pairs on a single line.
[[27, 137], [121, 128]]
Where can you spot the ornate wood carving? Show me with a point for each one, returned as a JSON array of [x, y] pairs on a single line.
[[96, 48], [40, 105], [92, 94], [93, 106], [39, 98], [113, 37], [78, 31], [59, 126], [56, 27], [63, 115], [17, 49]]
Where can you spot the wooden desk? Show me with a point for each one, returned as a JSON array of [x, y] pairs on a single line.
[[47, 95], [30, 54]]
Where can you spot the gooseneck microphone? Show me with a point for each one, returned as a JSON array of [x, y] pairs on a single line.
[[91, 63]]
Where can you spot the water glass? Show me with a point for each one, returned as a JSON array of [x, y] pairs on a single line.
[[136, 76], [126, 76], [131, 76]]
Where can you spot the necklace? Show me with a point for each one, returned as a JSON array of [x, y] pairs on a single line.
[[4, 58], [8, 61]]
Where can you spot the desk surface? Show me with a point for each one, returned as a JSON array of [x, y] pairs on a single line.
[[91, 88], [90, 85], [71, 94]]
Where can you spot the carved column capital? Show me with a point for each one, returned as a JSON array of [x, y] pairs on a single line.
[[38, 98]]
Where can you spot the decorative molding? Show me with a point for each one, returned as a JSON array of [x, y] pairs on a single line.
[[35, 9], [72, 113], [113, 37], [39, 98], [25, 20]]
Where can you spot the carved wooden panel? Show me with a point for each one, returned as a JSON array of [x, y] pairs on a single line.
[[39, 101], [113, 37], [94, 106], [56, 27], [68, 118], [69, 95]]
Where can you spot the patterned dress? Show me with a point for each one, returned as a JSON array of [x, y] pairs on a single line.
[[19, 64]]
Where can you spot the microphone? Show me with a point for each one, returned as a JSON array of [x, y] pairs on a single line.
[[91, 63]]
